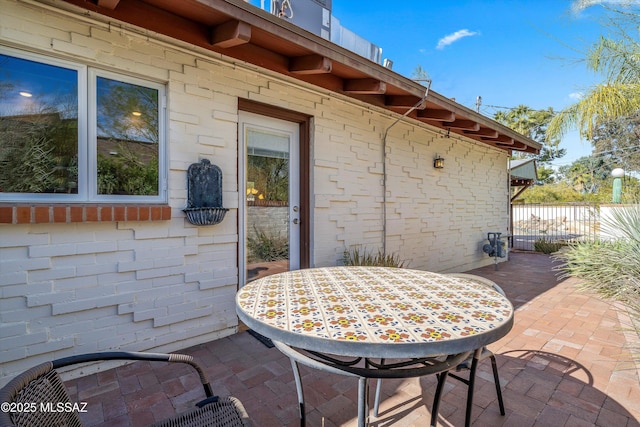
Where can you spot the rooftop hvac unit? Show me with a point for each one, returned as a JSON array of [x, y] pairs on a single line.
[[350, 40], [312, 15], [315, 16]]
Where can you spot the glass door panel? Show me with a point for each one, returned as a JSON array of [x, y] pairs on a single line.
[[271, 230]]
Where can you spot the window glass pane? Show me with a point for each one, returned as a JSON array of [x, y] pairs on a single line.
[[38, 127], [127, 138]]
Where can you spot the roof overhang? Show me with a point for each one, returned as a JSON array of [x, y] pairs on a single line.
[[523, 172], [242, 31]]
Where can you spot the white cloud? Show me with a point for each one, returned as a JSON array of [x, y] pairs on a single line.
[[576, 95], [454, 37]]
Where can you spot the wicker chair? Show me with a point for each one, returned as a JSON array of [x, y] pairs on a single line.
[[42, 384]]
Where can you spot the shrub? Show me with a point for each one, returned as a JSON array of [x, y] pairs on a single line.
[[364, 258], [547, 246], [610, 268], [127, 175], [266, 246]]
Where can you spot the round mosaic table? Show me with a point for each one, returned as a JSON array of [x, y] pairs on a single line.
[[375, 313]]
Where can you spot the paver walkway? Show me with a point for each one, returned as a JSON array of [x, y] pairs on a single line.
[[566, 362]]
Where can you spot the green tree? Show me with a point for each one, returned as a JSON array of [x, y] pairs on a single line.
[[26, 160], [550, 193], [618, 141], [586, 175], [270, 176], [611, 268], [38, 148], [533, 124]]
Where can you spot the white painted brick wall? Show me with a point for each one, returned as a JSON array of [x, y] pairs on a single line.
[[453, 208], [163, 286]]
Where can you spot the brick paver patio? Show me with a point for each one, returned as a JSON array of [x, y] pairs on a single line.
[[567, 362]]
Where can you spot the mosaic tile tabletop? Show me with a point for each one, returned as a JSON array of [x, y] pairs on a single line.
[[325, 309]]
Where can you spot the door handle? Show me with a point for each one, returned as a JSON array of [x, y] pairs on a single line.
[[296, 220]]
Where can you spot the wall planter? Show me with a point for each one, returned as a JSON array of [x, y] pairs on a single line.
[[204, 185]]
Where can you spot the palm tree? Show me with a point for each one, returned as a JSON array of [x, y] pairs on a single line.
[[618, 97]]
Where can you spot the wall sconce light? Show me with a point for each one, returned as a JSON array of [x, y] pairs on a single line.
[[438, 162]]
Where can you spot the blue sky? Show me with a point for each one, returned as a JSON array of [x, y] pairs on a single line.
[[507, 52]]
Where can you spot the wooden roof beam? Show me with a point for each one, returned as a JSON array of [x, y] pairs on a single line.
[[404, 102], [310, 64], [463, 124], [108, 4], [501, 140], [365, 86], [437, 115], [517, 182], [230, 34], [525, 186], [517, 146], [483, 132]]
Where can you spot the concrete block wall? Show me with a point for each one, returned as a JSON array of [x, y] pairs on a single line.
[[166, 285], [437, 219]]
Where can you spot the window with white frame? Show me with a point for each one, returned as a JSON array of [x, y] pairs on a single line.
[[72, 133]]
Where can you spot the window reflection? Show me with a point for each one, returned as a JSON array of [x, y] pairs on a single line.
[[69, 130], [38, 127], [127, 138]]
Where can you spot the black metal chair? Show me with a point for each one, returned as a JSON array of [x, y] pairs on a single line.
[[470, 364], [43, 385]]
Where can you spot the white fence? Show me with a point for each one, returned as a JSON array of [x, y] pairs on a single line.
[[565, 222]]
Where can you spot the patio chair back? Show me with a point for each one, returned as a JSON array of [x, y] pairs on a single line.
[[42, 385], [26, 392]]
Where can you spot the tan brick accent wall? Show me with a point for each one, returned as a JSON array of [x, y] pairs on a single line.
[[18, 213]]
